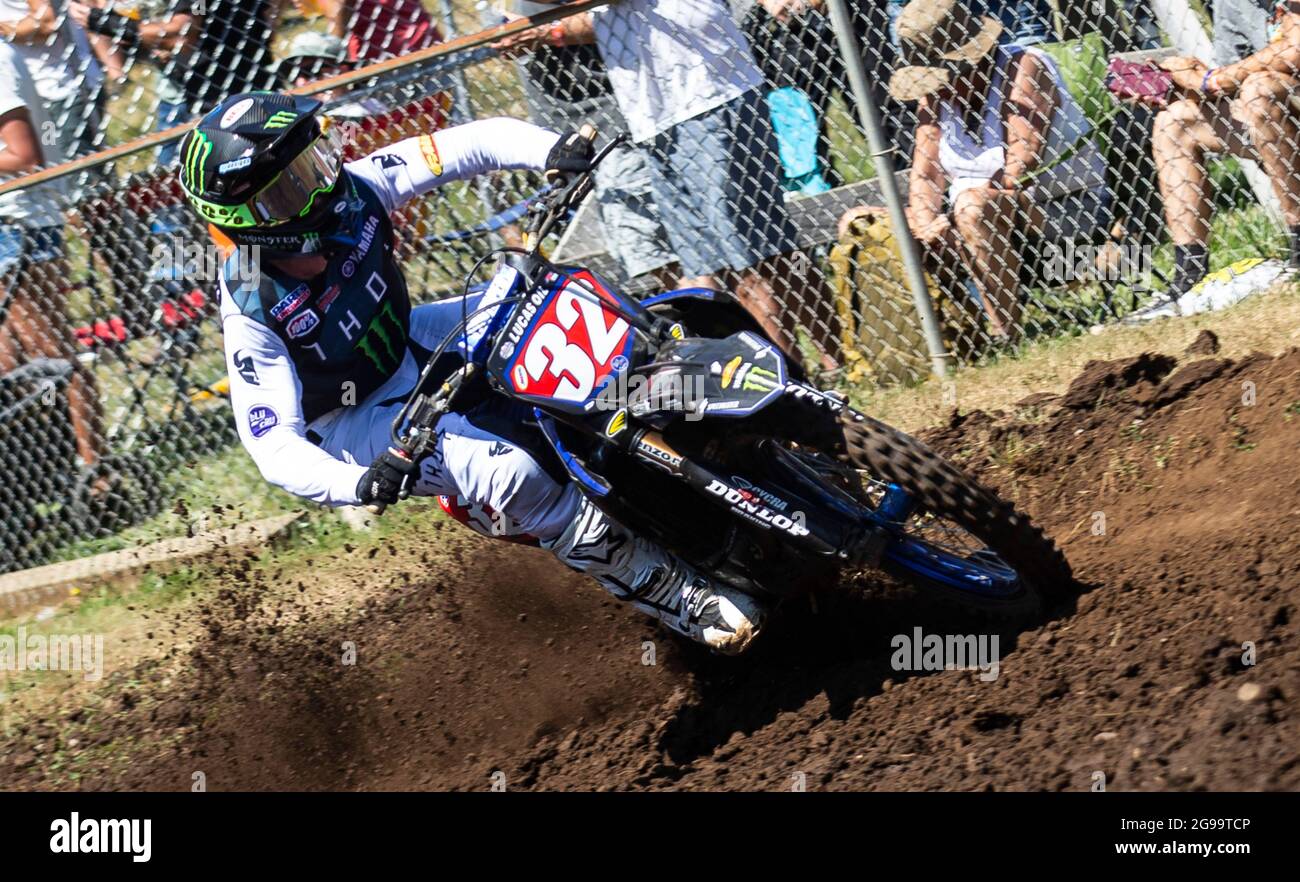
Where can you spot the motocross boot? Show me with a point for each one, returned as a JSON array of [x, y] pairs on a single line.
[[658, 582]]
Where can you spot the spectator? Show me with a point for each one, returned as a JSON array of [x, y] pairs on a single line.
[[1002, 152], [67, 78], [567, 86], [688, 87], [33, 272], [204, 49], [379, 29], [1246, 108]]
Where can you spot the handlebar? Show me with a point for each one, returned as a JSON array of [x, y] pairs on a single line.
[[565, 194]]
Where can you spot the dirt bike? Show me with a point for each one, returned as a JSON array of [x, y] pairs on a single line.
[[679, 418]]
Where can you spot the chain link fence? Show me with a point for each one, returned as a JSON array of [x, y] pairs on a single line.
[[1052, 178]]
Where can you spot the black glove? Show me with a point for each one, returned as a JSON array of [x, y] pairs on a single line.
[[387, 480], [572, 154]]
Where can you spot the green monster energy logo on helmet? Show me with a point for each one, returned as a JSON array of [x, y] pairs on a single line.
[[194, 180], [197, 153], [384, 340]]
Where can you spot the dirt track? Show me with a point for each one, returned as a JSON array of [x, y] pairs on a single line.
[[526, 670]]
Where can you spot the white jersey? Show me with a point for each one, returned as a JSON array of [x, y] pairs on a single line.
[[276, 384]]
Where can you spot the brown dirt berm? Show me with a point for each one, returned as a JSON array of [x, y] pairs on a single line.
[[1173, 491]]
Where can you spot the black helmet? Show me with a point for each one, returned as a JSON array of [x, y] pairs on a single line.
[[263, 160]]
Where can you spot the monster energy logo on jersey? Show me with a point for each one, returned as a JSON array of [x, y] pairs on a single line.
[[384, 341]]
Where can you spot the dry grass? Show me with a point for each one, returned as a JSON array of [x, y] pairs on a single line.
[[1268, 322]]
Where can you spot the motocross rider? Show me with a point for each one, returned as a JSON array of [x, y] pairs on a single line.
[[323, 345]]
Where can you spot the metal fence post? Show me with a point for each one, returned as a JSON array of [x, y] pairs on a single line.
[[869, 114]]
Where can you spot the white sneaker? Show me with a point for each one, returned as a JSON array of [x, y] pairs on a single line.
[[721, 617]]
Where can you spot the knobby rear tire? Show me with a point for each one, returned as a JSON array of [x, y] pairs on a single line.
[[947, 492]]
